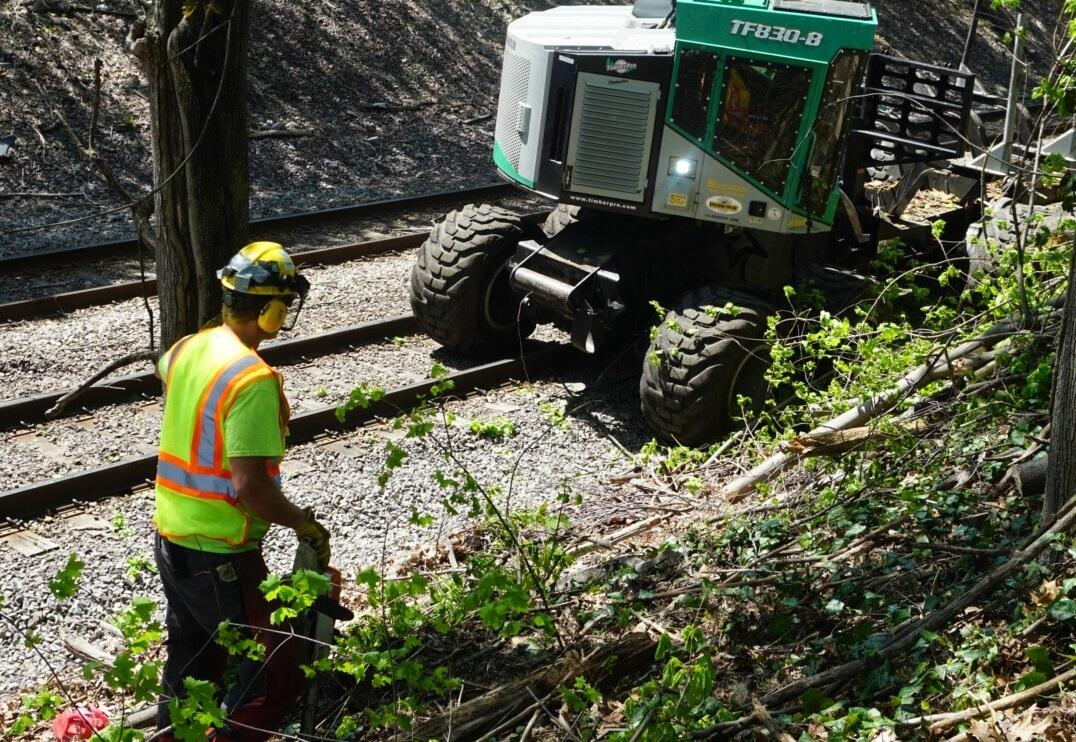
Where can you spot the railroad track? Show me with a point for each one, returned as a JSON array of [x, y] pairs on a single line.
[[71, 300], [125, 476], [265, 227], [30, 411]]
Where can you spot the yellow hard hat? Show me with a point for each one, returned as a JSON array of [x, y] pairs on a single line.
[[262, 269], [263, 274]]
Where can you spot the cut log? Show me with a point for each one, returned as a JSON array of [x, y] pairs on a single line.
[[609, 663], [833, 442]]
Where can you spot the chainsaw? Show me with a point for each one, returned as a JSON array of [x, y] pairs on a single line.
[[317, 625]]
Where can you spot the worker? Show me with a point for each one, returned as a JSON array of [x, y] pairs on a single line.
[[218, 491]]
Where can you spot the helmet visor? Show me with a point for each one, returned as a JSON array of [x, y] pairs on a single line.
[[295, 307]]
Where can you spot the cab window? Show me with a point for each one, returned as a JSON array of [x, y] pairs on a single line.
[[761, 109], [831, 127], [694, 87]]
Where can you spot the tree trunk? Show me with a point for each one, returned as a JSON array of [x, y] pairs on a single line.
[[1061, 468], [196, 65]]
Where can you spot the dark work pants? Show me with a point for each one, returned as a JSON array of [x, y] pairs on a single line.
[[202, 590]]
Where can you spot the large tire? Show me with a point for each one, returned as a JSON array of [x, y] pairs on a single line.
[[700, 361], [564, 215], [459, 285], [841, 289], [988, 238]]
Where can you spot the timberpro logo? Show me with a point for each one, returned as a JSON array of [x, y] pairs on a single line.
[[620, 66]]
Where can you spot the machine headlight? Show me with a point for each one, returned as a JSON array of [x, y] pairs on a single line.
[[683, 167]]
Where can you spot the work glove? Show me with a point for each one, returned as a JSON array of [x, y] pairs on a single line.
[[316, 534]]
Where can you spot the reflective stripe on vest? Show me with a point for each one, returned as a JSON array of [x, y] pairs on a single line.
[[173, 474], [205, 475], [206, 448]]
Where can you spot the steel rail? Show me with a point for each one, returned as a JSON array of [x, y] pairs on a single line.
[[27, 411], [259, 227], [72, 300], [122, 477]]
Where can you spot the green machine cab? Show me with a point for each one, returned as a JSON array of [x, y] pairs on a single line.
[[702, 153], [759, 98]]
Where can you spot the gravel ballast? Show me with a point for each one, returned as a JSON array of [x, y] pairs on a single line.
[[337, 477], [52, 353]]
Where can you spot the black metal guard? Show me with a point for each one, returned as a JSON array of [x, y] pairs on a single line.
[[913, 112]]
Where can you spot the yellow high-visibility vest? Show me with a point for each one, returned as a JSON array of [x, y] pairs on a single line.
[[196, 504]]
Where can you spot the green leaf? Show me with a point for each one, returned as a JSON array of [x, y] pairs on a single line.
[[814, 701], [422, 520], [310, 583], [1030, 680], [1040, 660], [368, 577], [1063, 610], [663, 648], [65, 584], [700, 683], [492, 615]]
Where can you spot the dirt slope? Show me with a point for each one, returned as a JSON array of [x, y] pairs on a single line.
[[323, 67]]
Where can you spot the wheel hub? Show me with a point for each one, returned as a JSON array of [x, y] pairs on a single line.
[[499, 306]]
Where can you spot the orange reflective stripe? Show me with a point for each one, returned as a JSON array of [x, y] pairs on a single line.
[[228, 398], [224, 404], [200, 409], [193, 468], [173, 356], [190, 492]]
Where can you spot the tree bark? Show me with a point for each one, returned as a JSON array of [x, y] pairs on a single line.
[[1061, 466], [196, 65]]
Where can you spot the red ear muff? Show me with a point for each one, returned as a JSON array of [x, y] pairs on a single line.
[[271, 318]]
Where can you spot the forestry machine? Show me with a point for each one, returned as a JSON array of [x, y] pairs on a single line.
[[704, 155]]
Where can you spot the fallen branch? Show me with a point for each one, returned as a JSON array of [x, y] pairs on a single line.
[[941, 722], [623, 534], [944, 365], [763, 716], [71, 396], [951, 548], [881, 533], [908, 636], [519, 698], [832, 442], [84, 650], [282, 133]]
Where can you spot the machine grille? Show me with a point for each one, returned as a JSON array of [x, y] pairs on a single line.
[[515, 84], [610, 154]]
